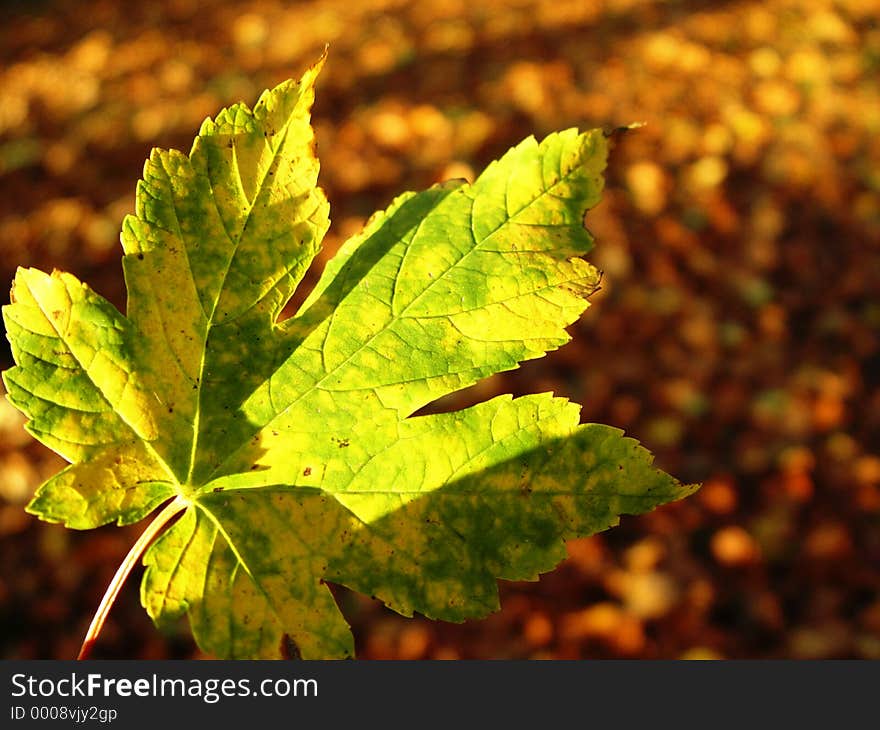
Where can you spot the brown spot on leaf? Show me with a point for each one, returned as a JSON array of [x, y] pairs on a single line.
[[288, 648]]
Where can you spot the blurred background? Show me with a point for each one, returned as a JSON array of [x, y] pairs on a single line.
[[737, 334]]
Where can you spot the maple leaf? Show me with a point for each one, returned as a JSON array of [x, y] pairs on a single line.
[[287, 449]]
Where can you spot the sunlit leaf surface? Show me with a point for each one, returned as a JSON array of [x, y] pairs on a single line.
[[293, 443]]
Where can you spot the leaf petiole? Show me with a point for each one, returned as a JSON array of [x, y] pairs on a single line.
[[173, 508]]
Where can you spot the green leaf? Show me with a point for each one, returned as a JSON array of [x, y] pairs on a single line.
[[292, 445]]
